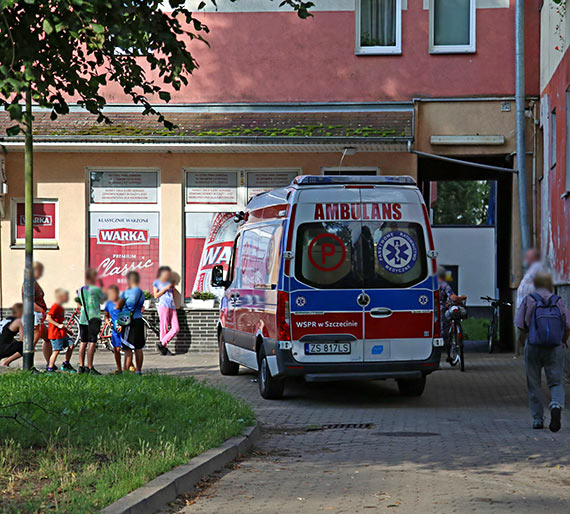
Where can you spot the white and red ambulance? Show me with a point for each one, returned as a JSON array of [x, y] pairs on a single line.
[[332, 278]]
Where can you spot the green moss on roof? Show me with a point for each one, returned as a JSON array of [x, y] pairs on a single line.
[[299, 131]]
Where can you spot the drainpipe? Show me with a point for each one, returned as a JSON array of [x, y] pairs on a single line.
[[520, 123], [534, 177]]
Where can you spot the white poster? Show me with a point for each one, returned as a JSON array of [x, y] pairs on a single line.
[[113, 187], [217, 187]]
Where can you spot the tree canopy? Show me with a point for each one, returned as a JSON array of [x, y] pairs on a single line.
[[70, 49], [462, 202]]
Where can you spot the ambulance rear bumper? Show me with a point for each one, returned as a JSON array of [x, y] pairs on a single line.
[[328, 371]]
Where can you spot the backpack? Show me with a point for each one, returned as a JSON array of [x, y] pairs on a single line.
[[546, 324], [125, 317]]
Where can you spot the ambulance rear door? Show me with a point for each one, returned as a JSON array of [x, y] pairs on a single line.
[[399, 299], [326, 284]]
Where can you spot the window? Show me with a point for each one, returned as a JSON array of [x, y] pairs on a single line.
[[452, 26], [379, 27], [553, 138], [567, 170]]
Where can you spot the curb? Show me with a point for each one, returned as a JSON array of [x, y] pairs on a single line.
[[167, 487]]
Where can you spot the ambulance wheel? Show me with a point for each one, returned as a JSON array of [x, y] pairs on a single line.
[[270, 388], [412, 386], [227, 367]]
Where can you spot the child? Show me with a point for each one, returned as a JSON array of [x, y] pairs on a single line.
[[10, 349], [133, 334], [163, 291], [111, 314], [57, 332], [91, 297]]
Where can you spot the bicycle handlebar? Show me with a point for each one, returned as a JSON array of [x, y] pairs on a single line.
[[496, 300]]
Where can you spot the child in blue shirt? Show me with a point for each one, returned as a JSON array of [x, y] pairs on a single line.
[[111, 315]]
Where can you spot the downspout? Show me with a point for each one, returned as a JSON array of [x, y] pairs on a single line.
[[520, 123], [534, 176]]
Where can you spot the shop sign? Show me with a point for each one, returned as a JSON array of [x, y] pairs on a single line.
[[120, 242], [263, 181], [44, 220], [119, 187], [216, 187]]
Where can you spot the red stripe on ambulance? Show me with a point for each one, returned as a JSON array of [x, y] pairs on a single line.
[[358, 211]]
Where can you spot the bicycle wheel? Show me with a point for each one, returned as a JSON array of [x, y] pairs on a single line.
[[460, 346], [453, 348], [106, 337], [491, 336]]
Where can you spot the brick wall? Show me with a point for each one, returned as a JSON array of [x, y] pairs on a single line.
[[197, 330]]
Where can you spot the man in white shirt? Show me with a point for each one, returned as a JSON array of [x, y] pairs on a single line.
[[533, 266]]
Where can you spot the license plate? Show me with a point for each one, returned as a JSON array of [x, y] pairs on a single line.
[[326, 348]]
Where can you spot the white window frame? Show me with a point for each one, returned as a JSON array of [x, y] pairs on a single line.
[[454, 49], [553, 136], [39, 244], [379, 50], [567, 167]]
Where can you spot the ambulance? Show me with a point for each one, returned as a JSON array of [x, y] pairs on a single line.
[[332, 278]]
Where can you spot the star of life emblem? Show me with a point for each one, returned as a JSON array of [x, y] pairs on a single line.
[[300, 301], [397, 252]]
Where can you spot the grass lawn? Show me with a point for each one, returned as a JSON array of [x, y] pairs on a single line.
[[78, 443], [475, 329]]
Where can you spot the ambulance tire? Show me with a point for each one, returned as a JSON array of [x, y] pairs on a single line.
[[412, 386], [270, 388], [227, 367]]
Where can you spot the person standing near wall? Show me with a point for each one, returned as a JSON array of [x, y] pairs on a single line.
[[163, 291], [533, 266]]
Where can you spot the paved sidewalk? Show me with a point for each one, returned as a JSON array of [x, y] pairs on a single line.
[[464, 446]]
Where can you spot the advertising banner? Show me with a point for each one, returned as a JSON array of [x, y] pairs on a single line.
[[120, 242], [115, 187], [262, 181], [209, 239], [217, 188], [44, 220]]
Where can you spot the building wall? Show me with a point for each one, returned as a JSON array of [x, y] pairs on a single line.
[[62, 176], [260, 53], [555, 80]]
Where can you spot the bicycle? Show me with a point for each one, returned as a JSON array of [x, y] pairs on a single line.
[[494, 325], [454, 314], [105, 334]]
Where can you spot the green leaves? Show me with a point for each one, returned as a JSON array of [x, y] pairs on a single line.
[[68, 50]]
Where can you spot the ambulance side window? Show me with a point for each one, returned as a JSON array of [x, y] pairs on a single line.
[[258, 256]]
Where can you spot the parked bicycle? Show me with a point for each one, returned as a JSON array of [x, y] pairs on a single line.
[[105, 334], [455, 314], [494, 325]]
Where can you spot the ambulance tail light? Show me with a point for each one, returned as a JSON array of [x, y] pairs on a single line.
[[436, 316], [283, 316]]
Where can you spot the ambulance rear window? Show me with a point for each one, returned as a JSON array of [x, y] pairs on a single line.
[[327, 255], [355, 255]]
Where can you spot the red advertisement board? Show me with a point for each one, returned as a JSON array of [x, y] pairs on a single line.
[[44, 220], [209, 240], [120, 242]]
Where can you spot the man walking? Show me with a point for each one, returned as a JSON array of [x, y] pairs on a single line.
[[543, 321]]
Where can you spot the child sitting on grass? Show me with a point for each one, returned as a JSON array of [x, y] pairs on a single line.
[[57, 332], [111, 314]]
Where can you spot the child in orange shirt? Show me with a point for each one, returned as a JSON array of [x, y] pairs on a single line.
[[57, 332]]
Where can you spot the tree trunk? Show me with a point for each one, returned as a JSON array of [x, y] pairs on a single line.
[[29, 254]]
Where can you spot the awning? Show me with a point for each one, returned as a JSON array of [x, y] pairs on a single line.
[[300, 128]]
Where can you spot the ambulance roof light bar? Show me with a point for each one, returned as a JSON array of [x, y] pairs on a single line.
[[316, 180]]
